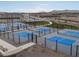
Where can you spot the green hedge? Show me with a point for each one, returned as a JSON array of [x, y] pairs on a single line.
[[37, 23]]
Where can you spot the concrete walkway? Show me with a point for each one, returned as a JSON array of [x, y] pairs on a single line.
[[6, 45], [7, 49]]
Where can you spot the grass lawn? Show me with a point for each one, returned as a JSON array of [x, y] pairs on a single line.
[[62, 26], [53, 25], [37, 23]]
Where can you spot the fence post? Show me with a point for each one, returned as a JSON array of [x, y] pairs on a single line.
[[19, 39], [4, 32], [28, 36], [32, 37], [0, 32], [44, 32], [26, 27], [8, 35], [18, 26], [23, 27], [71, 50], [45, 42], [13, 36], [49, 31], [76, 50], [56, 45], [39, 33], [36, 39]]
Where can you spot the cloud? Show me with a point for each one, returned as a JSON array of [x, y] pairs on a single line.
[[37, 8], [43, 4]]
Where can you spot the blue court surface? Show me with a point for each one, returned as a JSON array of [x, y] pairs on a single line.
[[2, 27], [65, 41], [42, 29], [23, 34], [73, 33], [16, 24], [9, 25]]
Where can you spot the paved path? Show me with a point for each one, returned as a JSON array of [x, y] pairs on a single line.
[[6, 45], [10, 49]]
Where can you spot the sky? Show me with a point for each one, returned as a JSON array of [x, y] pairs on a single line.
[[37, 6]]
